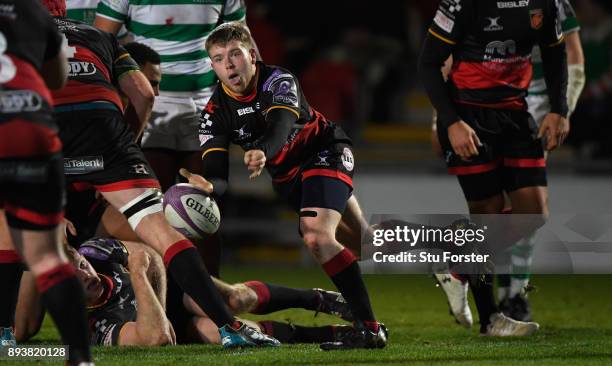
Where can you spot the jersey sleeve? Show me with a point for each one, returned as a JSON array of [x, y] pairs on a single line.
[[212, 132], [234, 10], [567, 17], [123, 63], [451, 20], [282, 92], [552, 34], [105, 330], [115, 10]]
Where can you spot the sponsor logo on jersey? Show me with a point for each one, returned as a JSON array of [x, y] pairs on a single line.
[[241, 134], [8, 11], [537, 18], [512, 4], [243, 111], [501, 48], [80, 68], [15, 101], [83, 164], [493, 25], [445, 23], [204, 139]]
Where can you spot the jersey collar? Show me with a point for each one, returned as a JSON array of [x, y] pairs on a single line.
[[246, 98], [106, 295]]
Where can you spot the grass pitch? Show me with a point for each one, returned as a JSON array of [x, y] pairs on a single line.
[[575, 313]]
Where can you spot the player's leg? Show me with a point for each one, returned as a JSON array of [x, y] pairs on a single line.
[[34, 212], [353, 227], [11, 269], [318, 226]]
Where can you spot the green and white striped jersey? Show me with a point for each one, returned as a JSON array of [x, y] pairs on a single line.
[[177, 30], [85, 11], [569, 24]]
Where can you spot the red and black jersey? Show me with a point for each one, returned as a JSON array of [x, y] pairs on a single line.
[[97, 61], [242, 120], [28, 37], [119, 305], [492, 42]]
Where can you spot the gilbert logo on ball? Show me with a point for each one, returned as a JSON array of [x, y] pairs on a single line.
[[191, 211]]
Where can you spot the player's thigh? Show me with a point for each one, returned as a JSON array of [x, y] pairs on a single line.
[[524, 165]]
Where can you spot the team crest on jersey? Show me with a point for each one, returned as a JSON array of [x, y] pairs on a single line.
[[537, 18], [347, 159]]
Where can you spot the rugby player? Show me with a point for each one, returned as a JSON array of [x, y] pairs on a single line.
[[124, 309], [489, 139], [511, 288], [31, 177], [100, 152], [263, 110]]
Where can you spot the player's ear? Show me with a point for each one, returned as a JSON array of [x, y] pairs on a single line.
[[253, 54]]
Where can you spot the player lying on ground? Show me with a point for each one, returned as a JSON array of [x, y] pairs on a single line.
[[190, 322], [125, 309]]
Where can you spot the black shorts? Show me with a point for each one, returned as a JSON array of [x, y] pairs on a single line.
[[99, 150], [31, 170], [325, 180], [512, 157], [84, 209]]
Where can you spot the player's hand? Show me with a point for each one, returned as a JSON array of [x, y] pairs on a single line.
[[197, 180], [464, 140], [139, 260], [255, 160], [554, 130]]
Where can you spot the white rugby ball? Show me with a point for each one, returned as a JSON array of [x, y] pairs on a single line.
[[191, 211]]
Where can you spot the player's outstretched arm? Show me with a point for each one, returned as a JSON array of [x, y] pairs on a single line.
[[140, 93], [152, 327]]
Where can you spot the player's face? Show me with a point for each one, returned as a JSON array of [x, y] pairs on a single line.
[[153, 74], [234, 65], [90, 279]]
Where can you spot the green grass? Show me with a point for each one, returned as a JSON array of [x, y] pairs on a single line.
[[575, 313]]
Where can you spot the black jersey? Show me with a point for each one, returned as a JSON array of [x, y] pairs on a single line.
[[28, 37], [492, 43], [118, 308], [242, 120], [96, 60]]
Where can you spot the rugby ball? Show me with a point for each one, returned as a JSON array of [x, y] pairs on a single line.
[[191, 211]]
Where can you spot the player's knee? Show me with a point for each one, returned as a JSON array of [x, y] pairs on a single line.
[[242, 299], [493, 205]]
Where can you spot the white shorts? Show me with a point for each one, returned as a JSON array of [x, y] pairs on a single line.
[[174, 121], [538, 106]]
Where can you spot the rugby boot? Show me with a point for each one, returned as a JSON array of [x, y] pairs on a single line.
[[333, 303], [245, 336], [357, 337], [502, 326]]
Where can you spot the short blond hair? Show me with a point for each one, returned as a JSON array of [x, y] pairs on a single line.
[[227, 32]]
